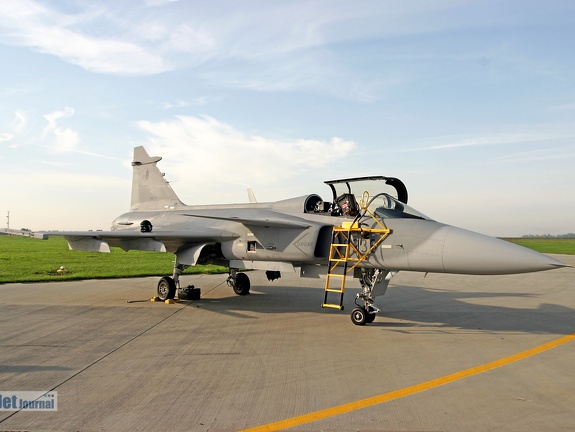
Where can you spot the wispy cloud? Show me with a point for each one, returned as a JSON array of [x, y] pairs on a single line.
[[207, 153], [537, 155], [179, 103], [63, 139], [29, 23], [495, 139], [19, 123], [274, 46], [6, 137], [14, 129]]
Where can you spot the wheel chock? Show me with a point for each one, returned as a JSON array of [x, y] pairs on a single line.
[[171, 301]]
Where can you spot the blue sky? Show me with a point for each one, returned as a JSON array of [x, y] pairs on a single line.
[[470, 103]]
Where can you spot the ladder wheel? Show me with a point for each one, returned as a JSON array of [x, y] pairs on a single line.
[[359, 316]]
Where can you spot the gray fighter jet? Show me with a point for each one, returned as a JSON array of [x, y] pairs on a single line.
[[365, 229]]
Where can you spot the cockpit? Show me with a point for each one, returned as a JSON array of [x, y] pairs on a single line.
[[383, 197]]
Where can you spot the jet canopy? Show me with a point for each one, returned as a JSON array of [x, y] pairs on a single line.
[[373, 185], [385, 197]]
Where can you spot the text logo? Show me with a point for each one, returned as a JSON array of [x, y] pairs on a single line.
[[28, 401]]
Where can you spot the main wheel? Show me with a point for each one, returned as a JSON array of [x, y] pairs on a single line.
[[359, 316], [166, 288], [242, 284]]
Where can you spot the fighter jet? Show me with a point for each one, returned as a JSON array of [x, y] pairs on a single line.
[[365, 229]]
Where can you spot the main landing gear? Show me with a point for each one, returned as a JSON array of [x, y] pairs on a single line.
[[167, 286], [240, 282]]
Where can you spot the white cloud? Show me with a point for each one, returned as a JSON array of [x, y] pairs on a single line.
[[521, 136], [210, 156], [19, 123], [15, 128], [46, 30], [199, 101], [64, 139], [272, 45], [490, 140], [537, 155], [5, 137]]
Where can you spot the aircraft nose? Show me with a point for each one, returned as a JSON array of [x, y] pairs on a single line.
[[473, 253]]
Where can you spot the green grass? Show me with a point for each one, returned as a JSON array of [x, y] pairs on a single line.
[[24, 259], [552, 246]]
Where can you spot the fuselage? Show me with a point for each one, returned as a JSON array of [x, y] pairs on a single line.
[[301, 234]]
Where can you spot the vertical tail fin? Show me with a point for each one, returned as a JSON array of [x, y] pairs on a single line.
[[150, 190]]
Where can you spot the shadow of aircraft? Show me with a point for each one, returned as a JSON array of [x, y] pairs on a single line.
[[409, 308]]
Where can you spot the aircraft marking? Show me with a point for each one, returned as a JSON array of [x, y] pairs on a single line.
[[407, 391]]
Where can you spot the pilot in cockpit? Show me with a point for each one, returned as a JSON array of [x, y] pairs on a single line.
[[348, 205]]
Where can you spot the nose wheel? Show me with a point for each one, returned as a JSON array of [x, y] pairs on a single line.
[[373, 282], [362, 316]]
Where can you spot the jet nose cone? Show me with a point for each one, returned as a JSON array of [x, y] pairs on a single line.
[[473, 253]]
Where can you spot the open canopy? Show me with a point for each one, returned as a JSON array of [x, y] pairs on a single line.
[[372, 185]]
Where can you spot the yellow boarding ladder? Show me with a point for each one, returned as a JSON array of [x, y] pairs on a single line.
[[344, 252]]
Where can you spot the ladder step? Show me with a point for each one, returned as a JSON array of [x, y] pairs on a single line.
[[350, 258], [334, 290], [332, 306]]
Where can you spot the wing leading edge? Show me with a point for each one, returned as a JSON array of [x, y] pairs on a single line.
[[158, 241]]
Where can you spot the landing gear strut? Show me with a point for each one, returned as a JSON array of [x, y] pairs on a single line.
[[371, 280], [167, 286], [240, 282]]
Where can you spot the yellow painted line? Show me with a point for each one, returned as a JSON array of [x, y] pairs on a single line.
[[397, 394]]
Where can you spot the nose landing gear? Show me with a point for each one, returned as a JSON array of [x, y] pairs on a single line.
[[363, 315], [374, 282]]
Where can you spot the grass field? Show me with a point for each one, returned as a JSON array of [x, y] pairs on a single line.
[[24, 259], [550, 246]]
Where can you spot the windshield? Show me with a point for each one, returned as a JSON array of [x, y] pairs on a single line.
[[385, 206]]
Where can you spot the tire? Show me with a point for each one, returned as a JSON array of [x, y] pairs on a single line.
[[370, 318], [242, 284], [359, 316], [166, 288]]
